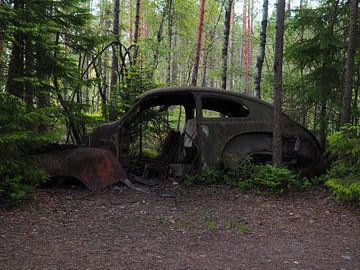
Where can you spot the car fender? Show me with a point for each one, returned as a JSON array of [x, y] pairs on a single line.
[[242, 144], [96, 168]]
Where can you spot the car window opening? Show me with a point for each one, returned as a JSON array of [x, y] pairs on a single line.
[[163, 134], [214, 107]]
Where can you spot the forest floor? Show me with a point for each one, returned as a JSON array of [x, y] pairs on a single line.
[[214, 227]]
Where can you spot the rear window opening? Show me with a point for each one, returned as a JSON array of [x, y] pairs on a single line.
[[213, 107]]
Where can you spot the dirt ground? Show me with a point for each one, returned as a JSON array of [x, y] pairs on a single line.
[[213, 227]]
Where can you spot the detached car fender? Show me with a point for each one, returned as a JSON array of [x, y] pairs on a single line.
[[96, 168]]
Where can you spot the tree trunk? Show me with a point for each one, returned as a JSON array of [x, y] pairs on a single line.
[[231, 48], [244, 58], [159, 37], [289, 8], [130, 22], [250, 22], [226, 44], [137, 29], [198, 43], [356, 97], [174, 66], [29, 72], [323, 123], [170, 35], [279, 44], [346, 101], [114, 60], [209, 45], [261, 55], [16, 65], [205, 61]]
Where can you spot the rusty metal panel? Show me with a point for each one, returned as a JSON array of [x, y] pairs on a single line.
[[96, 168]]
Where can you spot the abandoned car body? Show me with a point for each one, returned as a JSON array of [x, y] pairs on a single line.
[[177, 131]]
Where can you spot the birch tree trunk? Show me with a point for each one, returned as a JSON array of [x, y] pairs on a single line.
[[346, 101], [261, 55], [226, 44], [198, 43], [279, 44]]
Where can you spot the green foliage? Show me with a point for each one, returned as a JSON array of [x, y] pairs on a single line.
[[165, 221], [315, 53], [346, 144], [342, 170], [343, 178], [137, 81], [207, 177], [262, 178], [276, 180], [212, 225], [22, 132], [232, 224], [345, 189]]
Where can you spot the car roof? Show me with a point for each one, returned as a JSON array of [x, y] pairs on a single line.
[[192, 89]]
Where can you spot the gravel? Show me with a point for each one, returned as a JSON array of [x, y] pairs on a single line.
[[213, 227]]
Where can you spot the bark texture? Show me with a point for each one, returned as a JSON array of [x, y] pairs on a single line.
[[279, 44], [198, 43], [114, 60], [261, 55], [230, 82], [16, 65], [349, 73], [137, 29], [226, 44], [170, 40]]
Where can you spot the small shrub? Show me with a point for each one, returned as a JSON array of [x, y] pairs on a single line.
[[345, 189], [262, 178], [345, 144], [343, 178], [207, 177], [277, 180]]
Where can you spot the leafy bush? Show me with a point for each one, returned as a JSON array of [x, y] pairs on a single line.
[[343, 178], [206, 178], [346, 144], [21, 132], [262, 178], [345, 189], [277, 180]]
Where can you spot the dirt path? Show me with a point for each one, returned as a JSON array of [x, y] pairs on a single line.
[[202, 228]]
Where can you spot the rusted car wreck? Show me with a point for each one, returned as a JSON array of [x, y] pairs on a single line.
[[171, 132]]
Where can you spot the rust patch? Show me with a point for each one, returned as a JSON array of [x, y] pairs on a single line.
[[96, 168]]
